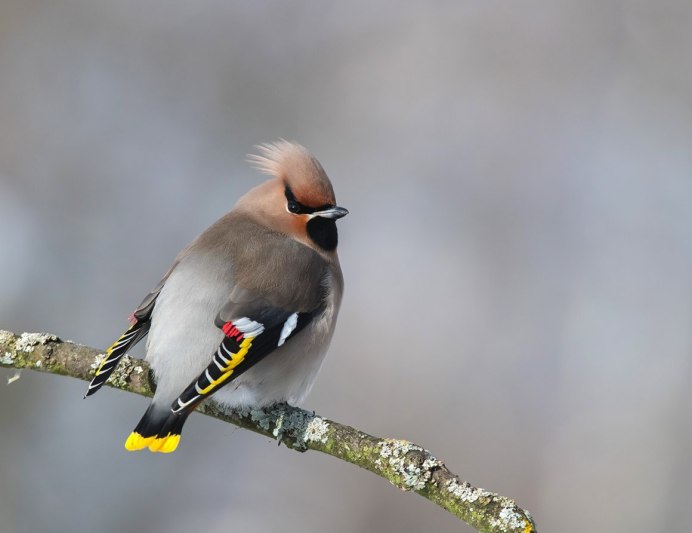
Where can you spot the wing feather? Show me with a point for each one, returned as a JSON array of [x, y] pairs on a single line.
[[140, 323], [247, 340]]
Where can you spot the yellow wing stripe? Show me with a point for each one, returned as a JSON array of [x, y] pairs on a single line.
[[223, 377], [109, 351], [236, 359]]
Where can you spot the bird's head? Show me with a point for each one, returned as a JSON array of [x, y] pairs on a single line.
[[299, 201]]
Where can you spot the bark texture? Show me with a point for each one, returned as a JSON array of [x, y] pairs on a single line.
[[406, 465]]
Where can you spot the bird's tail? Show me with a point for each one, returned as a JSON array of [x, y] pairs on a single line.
[[159, 430]]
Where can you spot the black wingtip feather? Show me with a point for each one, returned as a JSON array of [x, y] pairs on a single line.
[[115, 353]]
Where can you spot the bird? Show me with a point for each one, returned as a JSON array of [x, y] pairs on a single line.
[[247, 310]]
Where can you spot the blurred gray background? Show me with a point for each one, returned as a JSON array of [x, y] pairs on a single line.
[[518, 257]]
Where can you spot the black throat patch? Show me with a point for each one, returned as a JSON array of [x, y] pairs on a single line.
[[323, 233]]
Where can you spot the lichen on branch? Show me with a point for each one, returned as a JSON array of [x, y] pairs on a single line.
[[406, 465]]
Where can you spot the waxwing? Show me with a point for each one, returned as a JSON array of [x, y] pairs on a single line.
[[247, 310]]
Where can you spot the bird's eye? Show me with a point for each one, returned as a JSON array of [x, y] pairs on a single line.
[[293, 206]]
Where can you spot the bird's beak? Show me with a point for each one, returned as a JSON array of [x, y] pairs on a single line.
[[333, 213]]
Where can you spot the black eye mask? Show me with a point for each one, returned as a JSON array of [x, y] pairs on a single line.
[[295, 207]]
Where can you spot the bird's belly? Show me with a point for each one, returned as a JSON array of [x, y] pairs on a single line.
[[183, 337]]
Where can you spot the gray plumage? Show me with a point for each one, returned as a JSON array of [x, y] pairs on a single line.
[[232, 264], [248, 309]]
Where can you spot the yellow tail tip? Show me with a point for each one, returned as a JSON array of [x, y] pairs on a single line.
[[136, 442], [165, 444]]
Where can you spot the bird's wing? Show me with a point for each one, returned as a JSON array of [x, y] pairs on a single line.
[[252, 330], [140, 321]]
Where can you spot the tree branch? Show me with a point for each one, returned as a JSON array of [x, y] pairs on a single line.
[[404, 464]]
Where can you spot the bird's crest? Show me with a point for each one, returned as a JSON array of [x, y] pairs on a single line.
[[274, 158], [296, 167]]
